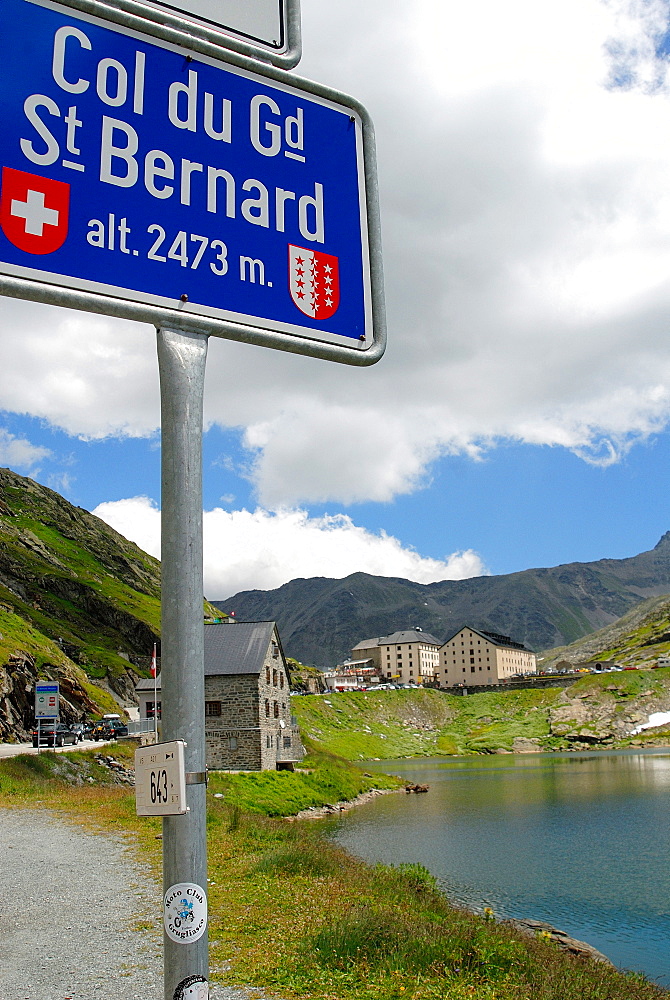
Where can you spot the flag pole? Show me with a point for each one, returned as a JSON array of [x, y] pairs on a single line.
[[154, 672]]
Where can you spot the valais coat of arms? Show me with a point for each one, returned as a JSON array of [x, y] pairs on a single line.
[[314, 281]]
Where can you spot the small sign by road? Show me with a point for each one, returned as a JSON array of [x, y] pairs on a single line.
[[160, 779], [46, 700]]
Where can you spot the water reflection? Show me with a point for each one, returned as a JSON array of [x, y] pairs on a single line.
[[578, 840]]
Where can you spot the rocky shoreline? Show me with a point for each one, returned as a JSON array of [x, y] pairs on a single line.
[[335, 808], [537, 928]]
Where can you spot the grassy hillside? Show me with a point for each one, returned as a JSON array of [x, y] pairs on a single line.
[[78, 603], [597, 711]]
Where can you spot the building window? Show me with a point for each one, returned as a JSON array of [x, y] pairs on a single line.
[[274, 678], [232, 743], [212, 708], [275, 650], [287, 741], [267, 709], [268, 741], [267, 675], [276, 710], [281, 681], [472, 670]]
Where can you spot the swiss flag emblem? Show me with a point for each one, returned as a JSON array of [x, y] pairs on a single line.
[[34, 211], [314, 281]]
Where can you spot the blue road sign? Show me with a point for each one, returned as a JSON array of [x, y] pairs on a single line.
[[143, 181]]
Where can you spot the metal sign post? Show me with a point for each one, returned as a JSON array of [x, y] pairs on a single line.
[[181, 362], [148, 174]]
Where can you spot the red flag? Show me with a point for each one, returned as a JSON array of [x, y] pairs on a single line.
[[153, 662]]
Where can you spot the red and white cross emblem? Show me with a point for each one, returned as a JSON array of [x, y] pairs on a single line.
[[34, 211], [314, 281]]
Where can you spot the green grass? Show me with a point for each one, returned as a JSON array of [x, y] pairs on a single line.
[[384, 725], [321, 780], [388, 724], [296, 916]]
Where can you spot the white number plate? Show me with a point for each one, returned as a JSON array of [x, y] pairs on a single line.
[[160, 780]]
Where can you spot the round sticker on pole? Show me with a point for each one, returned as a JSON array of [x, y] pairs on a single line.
[[185, 913], [192, 988]]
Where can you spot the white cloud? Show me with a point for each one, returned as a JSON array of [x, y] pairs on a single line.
[[91, 376], [248, 550], [19, 453], [137, 519], [523, 154]]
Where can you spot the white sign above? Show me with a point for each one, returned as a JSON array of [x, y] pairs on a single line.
[[260, 21], [266, 28]]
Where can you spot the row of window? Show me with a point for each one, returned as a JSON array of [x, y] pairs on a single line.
[[269, 741], [277, 677]]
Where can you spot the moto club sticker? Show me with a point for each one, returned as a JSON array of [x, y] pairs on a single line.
[[185, 912]]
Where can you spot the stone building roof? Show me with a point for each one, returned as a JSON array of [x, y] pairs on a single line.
[[238, 648], [398, 638], [504, 641]]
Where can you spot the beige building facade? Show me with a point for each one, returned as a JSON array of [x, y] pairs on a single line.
[[472, 657], [407, 657]]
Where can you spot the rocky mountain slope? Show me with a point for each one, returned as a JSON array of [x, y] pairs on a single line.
[[635, 640], [320, 619], [78, 603]]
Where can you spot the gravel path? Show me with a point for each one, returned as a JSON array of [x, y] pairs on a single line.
[[69, 903]]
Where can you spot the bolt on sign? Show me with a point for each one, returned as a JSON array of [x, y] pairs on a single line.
[[141, 181]]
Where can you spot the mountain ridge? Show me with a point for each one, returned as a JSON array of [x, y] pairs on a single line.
[[321, 619]]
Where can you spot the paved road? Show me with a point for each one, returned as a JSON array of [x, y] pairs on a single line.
[[13, 749], [79, 917]]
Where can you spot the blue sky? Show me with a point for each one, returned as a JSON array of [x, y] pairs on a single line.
[[520, 416], [518, 506]]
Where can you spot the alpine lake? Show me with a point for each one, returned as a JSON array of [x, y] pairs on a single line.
[[578, 840]]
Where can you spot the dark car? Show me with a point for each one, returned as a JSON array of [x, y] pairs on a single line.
[[51, 734], [109, 729], [118, 729]]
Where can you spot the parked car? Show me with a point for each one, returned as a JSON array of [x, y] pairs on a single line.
[[118, 728], [101, 731], [109, 729], [52, 734]]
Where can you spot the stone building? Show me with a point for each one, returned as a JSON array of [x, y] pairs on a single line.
[[471, 657], [248, 721], [408, 657]]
